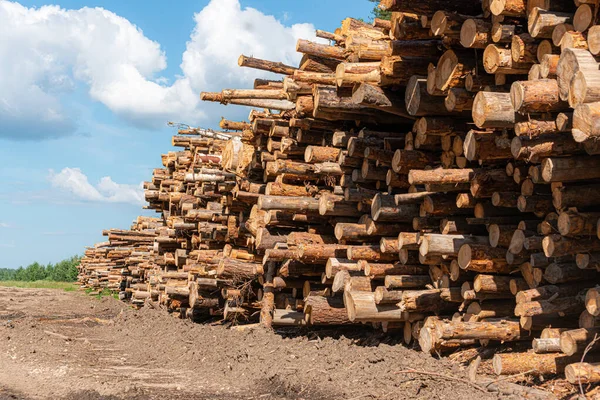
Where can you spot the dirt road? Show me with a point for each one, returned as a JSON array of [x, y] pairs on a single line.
[[56, 344]]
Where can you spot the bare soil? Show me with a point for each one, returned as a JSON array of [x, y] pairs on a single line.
[[56, 344]]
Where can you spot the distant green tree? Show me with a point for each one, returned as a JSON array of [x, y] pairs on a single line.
[[7, 274], [378, 12], [63, 271], [20, 274]]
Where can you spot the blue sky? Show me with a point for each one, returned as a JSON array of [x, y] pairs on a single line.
[[85, 95]]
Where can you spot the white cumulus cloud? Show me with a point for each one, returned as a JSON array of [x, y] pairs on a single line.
[[76, 183], [46, 52], [4, 225]]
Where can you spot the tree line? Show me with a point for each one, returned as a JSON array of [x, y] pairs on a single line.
[[62, 271]]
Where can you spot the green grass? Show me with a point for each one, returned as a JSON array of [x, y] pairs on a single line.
[[66, 286]]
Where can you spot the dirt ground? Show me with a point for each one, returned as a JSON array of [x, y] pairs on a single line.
[[56, 344]]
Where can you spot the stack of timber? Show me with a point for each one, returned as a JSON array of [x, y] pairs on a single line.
[[436, 175]]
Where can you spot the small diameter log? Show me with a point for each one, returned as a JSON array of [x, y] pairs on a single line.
[[449, 245], [497, 60], [485, 183], [419, 102], [509, 8], [518, 363], [543, 346], [264, 65], [384, 208], [523, 48], [505, 199], [593, 40], [475, 33], [405, 160], [384, 296], [406, 281], [535, 128], [379, 271], [588, 261], [486, 146], [492, 283], [491, 309], [592, 301], [549, 65], [369, 253], [483, 258], [334, 265], [501, 235], [409, 240]]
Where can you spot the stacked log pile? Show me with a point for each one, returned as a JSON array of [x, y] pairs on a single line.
[[435, 175]]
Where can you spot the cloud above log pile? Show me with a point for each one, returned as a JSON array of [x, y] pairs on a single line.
[[49, 53], [75, 183]]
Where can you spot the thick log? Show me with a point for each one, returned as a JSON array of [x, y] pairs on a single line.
[[582, 372], [493, 110], [319, 310], [575, 341]]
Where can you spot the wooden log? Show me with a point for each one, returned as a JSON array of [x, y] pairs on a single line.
[[556, 247], [406, 281], [542, 346], [384, 296], [570, 169], [497, 60], [379, 271], [575, 341], [509, 8], [486, 146], [384, 208], [582, 372], [436, 329], [541, 23], [492, 283], [475, 33], [572, 223], [571, 61], [264, 65], [361, 307], [493, 110], [419, 102], [482, 258], [565, 305], [517, 363], [320, 310], [541, 95]]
